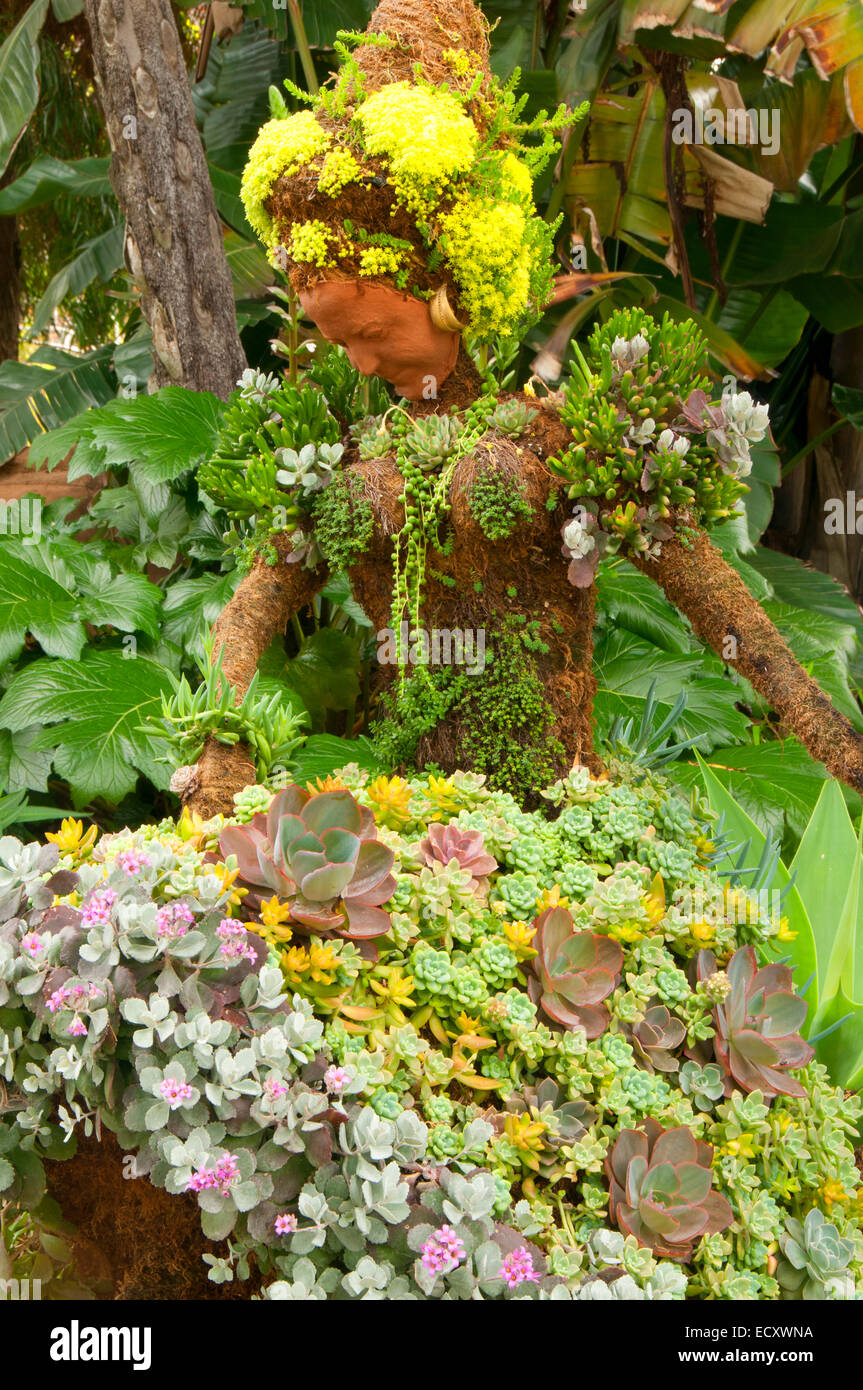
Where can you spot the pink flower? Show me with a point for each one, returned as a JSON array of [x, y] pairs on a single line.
[[131, 861], [221, 1177], [336, 1078], [274, 1087], [517, 1267], [97, 911], [175, 1092], [32, 943], [173, 920], [285, 1225], [78, 1027], [58, 998], [235, 941], [443, 1251]]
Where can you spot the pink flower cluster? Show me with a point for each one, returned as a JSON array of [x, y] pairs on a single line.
[[235, 942], [175, 1092], [132, 861], [174, 919], [336, 1078], [443, 1251], [220, 1177], [32, 943], [97, 912], [517, 1267], [275, 1088], [78, 1028], [285, 1225], [72, 996]]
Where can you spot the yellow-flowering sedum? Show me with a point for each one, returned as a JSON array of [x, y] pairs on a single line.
[[309, 243], [338, 170], [478, 238], [424, 134], [282, 147], [381, 260]]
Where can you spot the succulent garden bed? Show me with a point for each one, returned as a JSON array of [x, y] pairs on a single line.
[[400, 1039]]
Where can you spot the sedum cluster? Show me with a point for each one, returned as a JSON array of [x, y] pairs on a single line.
[[469, 196], [404, 1040], [651, 451]]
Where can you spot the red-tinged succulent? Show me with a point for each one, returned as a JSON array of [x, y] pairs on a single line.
[[757, 1021], [656, 1037], [661, 1189], [446, 842], [572, 972], [321, 854]]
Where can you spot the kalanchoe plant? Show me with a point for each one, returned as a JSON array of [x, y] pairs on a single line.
[[661, 1189], [757, 1038], [320, 853], [467, 847], [572, 972], [656, 1037], [816, 1259]]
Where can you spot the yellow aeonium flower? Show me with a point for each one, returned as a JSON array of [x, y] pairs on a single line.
[[389, 797], [70, 838]]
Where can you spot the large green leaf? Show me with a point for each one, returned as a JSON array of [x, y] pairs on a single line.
[[19, 78], [97, 705], [23, 767], [747, 846], [41, 593], [323, 754], [163, 435], [626, 669], [99, 259], [777, 784], [627, 598], [47, 177], [47, 390], [824, 869]]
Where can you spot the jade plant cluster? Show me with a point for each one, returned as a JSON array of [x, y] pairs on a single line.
[[405, 1040], [652, 452]]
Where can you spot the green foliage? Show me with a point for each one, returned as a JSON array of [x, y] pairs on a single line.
[[94, 707], [647, 439], [269, 730], [498, 504], [447, 1061], [343, 522], [262, 418]]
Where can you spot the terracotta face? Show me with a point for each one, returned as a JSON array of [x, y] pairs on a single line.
[[385, 333]]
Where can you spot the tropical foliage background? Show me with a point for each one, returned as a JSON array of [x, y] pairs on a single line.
[[767, 256]]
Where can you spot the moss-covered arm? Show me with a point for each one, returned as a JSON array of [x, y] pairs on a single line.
[[263, 605], [699, 580]]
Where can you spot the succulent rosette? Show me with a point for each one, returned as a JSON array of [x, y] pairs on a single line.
[[320, 853], [661, 1189], [757, 1022], [444, 843], [573, 972]]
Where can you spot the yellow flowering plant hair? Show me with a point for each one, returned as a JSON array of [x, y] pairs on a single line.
[[418, 186]]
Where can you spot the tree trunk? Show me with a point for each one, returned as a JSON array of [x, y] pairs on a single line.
[[174, 245]]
